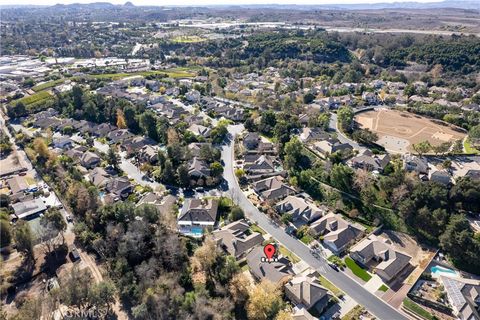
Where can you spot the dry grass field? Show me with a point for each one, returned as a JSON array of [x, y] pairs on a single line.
[[398, 131]]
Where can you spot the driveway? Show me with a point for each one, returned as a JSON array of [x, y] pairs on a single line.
[[362, 296]]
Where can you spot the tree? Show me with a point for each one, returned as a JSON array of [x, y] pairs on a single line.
[[409, 90], [76, 287], [240, 289], [474, 135], [17, 110], [441, 148], [364, 136], [341, 177], [345, 117], [121, 123], [216, 169], [112, 157], [168, 175], [77, 94], [308, 98], [102, 295], [148, 124], [422, 147], [265, 301], [24, 238], [5, 233], [284, 315], [183, 177], [459, 243], [54, 218], [294, 156], [236, 213]]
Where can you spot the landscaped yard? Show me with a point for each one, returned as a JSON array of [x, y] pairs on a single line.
[[357, 270], [327, 284], [415, 308], [287, 253], [383, 288], [35, 98], [307, 239], [355, 313], [47, 85], [468, 147], [256, 228]]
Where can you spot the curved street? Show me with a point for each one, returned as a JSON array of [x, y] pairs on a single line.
[[374, 304]]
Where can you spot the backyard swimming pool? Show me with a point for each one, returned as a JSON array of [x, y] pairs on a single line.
[[438, 270]]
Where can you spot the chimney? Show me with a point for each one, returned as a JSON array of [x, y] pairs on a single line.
[[333, 225]]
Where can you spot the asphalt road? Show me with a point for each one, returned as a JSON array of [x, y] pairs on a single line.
[[375, 305]]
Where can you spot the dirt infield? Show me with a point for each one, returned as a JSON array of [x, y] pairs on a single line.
[[398, 130]]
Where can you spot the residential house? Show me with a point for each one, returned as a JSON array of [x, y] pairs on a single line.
[[99, 177], [199, 130], [313, 134], [29, 208], [90, 160], [77, 152], [18, 184], [134, 144], [337, 233], [117, 136], [237, 239], [251, 140], [273, 188], [198, 169], [373, 250], [301, 313], [193, 96], [306, 290], [195, 147], [463, 296], [330, 146], [415, 163], [441, 176], [300, 209], [120, 187], [369, 161], [279, 271], [62, 142], [197, 216], [148, 154], [164, 204], [261, 165], [103, 129]]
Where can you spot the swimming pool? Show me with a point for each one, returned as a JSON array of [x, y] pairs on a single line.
[[438, 271]]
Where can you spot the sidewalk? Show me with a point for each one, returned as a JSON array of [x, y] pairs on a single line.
[[373, 284]]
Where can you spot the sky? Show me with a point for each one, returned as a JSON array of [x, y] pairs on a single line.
[[205, 2]]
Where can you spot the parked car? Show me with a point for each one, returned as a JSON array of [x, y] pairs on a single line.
[[69, 219], [334, 266]]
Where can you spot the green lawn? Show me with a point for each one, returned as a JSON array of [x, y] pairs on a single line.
[[383, 288], [47, 85], [468, 147], [416, 309], [287, 253], [256, 228], [188, 39], [327, 284], [35, 98], [307, 239], [357, 270]]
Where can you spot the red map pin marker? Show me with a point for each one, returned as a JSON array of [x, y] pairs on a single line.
[[269, 251]]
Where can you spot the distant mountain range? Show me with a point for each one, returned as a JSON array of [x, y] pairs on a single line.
[[459, 4]]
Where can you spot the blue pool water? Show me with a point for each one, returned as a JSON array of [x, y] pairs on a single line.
[[438, 270], [197, 231]]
